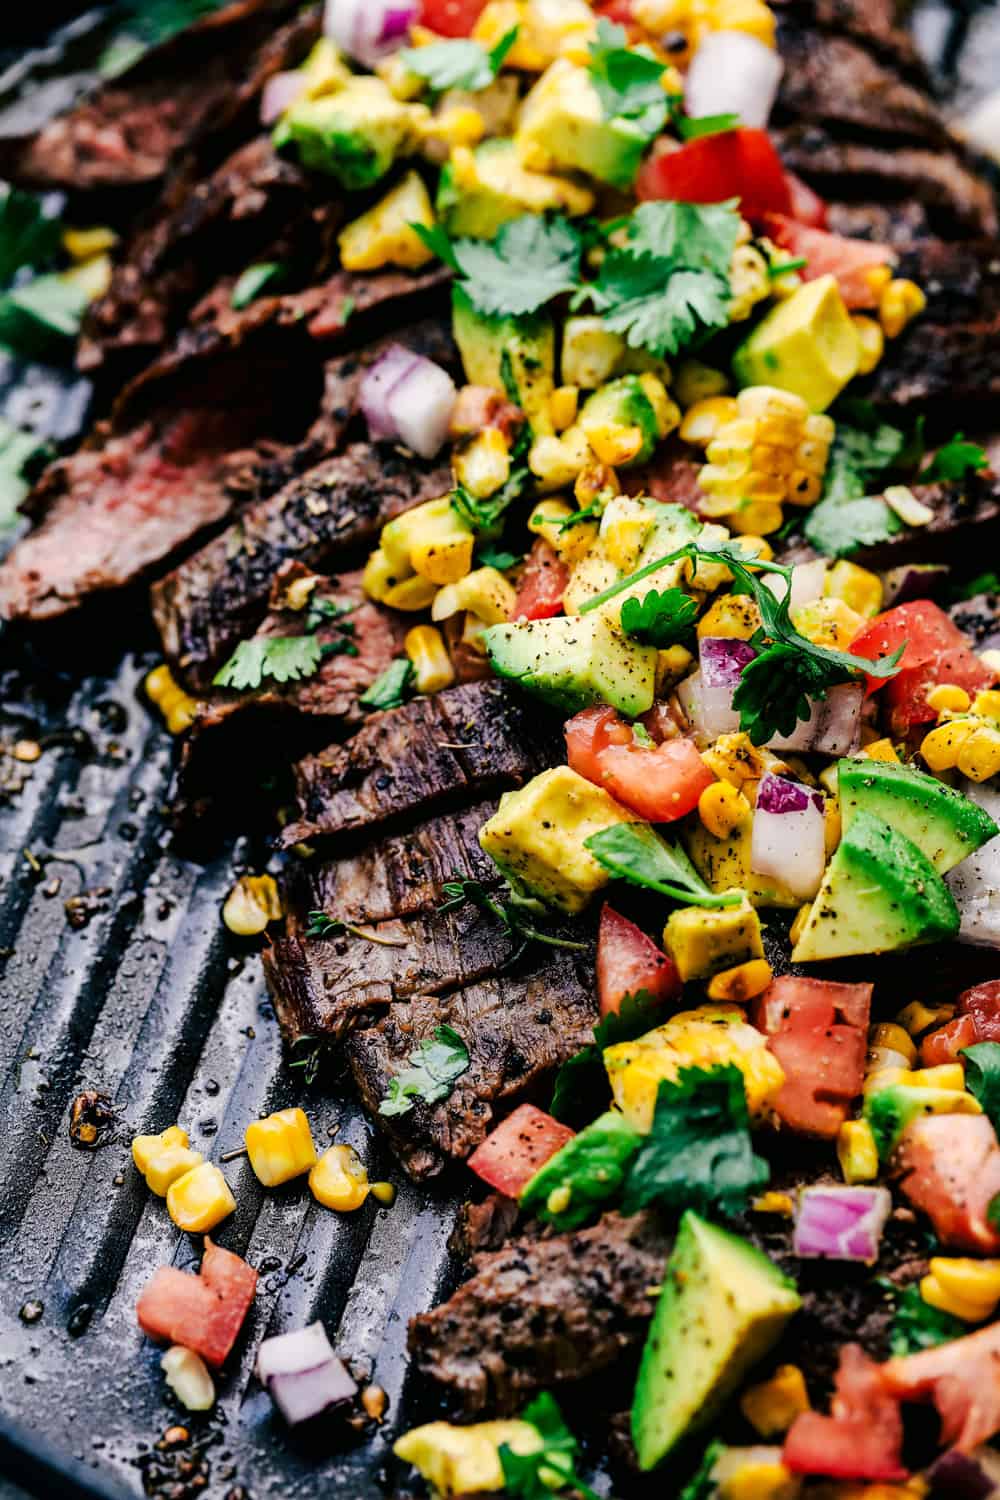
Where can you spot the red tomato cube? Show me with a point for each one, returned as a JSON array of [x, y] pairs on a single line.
[[513, 1152]]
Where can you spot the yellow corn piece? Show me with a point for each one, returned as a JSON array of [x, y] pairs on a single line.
[[751, 16], [857, 1152], [871, 342], [563, 404], [696, 382], [706, 418], [741, 983], [482, 465], [339, 1180], [772, 1406], [860, 589], [948, 1300], [890, 1034], [200, 1199], [280, 1147], [941, 747], [979, 753], [486, 593], [774, 1203], [944, 1076], [986, 705], [178, 708], [976, 1280], [721, 807], [798, 925], [916, 1018], [168, 1165], [84, 244], [948, 697], [899, 304], [252, 903], [411, 595], [384, 1193], [760, 517], [734, 616], [146, 1147], [749, 282], [556, 461], [432, 668], [881, 750], [828, 622]]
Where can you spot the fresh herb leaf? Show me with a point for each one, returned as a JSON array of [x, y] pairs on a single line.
[[993, 1211], [434, 1067], [592, 512], [510, 912], [629, 83], [690, 236], [693, 129], [860, 460], [698, 1153], [489, 556], [839, 527], [660, 620], [954, 461], [983, 583], [28, 236], [642, 736], [634, 852], [254, 280], [702, 1485], [391, 687], [311, 1060], [581, 1087], [322, 925], [779, 267], [457, 64], [485, 517], [982, 1077], [915, 1324], [530, 261], [283, 658], [537, 1476], [37, 319], [21, 455]]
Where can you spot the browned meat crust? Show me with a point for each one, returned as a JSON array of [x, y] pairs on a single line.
[[872, 22]]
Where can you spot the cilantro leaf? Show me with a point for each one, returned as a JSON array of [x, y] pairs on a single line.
[[982, 1077], [457, 64], [702, 1485], [391, 687], [695, 236], [629, 82], [916, 1325], [490, 556], [253, 281], [581, 1087], [28, 237], [839, 527], [983, 583], [21, 454], [39, 317], [634, 852], [551, 1470], [860, 459], [693, 129], [484, 516], [434, 1067], [659, 620], [956, 459], [530, 261], [283, 658]]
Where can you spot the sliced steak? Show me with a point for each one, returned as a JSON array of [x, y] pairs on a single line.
[[543, 1313], [979, 619], [902, 225], [949, 370], [205, 80], [517, 1028], [219, 596], [458, 745], [871, 22]]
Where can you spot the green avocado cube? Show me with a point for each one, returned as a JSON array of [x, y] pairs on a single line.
[[354, 134], [941, 822], [584, 1174], [807, 345], [477, 199], [573, 661], [563, 124]]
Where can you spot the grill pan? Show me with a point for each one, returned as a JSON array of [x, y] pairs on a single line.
[[138, 991]]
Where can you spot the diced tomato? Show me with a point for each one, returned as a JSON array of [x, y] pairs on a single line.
[[513, 1152], [982, 1003], [863, 1436], [660, 782], [962, 1378], [204, 1312], [832, 254], [935, 651], [817, 1029], [628, 961], [736, 164], [807, 206], [451, 17], [951, 1170], [945, 1044], [543, 583], [621, 12]]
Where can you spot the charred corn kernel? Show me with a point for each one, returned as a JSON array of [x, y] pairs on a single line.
[[899, 304], [891, 1034], [721, 807], [666, 411], [950, 1300], [828, 622], [772, 450], [916, 1018], [749, 282], [774, 1203], [871, 342], [486, 593], [570, 542], [991, 661], [187, 1376], [411, 595], [178, 708], [556, 461], [910, 510], [482, 465], [563, 404], [84, 244], [798, 925], [986, 705], [944, 1076], [380, 575], [339, 1180], [947, 695], [860, 589], [696, 382], [941, 747], [253, 902], [772, 1406], [441, 560], [881, 750], [671, 665], [979, 753], [432, 666], [706, 418], [733, 616], [742, 982], [384, 1193], [200, 1199], [595, 482], [878, 278], [857, 1152], [615, 444], [280, 1147], [169, 1164], [146, 1147], [736, 759]]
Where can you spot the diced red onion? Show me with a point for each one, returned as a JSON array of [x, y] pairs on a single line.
[[832, 728], [966, 1476], [841, 1223], [975, 883], [408, 398], [787, 842], [808, 580], [302, 1374], [913, 581], [733, 73], [711, 698], [279, 93], [369, 30]]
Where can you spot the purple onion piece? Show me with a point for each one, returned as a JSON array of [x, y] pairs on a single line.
[[723, 660], [280, 93], [787, 841], [833, 726], [966, 1476], [779, 795], [377, 386], [420, 405], [841, 1223], [303, 1394], [913, 581]]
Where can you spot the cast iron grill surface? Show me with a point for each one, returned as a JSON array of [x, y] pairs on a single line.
[[154, 1004]]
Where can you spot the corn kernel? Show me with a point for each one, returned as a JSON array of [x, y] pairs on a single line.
[[733, 616], [749, 282], [615, 444], [384, 1193], [486, 594], [280, 1147], [696, 382], [169, 1164], [146, 1147], [798, 925], [482, 465], [760, 517], [891, 1034], [804, 487], [743, 982], [409, 595], [857, 1152], [944, 1076], [881, 750], [916, 1018], [878, 278], [84, 244], [556, 461], [432, 668], [986, 705], [339, 1180], [772, 1406], [949, 1300], [941, 747], [200, 1199], [827, 622], [705, 418], [178, 708], [563, 404], [721, 807], [252, 903], [774, 1203], [979, 753], [911, 511], [380, 575], [948, 697], [976, 1280], [188, 1377], [871, 343], [899, 304], [860, 589]]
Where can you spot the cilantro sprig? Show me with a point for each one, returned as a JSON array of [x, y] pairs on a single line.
[[434, 1067], [954, 460], [628, 81], [982, 1077], [581, 1087], [463, 64], [391, 688], [636, 853], [511, 912], [28, 236], [282, 658], [486, 516], [660, 620], [788, 670], [916, 1324], [530, 260], [550, 1470]]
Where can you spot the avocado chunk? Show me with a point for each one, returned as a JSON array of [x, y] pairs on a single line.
[[563, 125], [890, 1109], [702, 940], [584, 1174], [724, 863], [465, 1460], [935, 817], [385, 236], [574, 661], [807, 345], [537, 837], [722, 1308], [513, 355], [879, 892], [623, 407], [354, 134], [481, 190]]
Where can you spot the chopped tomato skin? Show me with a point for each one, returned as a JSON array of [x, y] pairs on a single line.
[[513, 1152], [451, 17], [203, 1312], [817, 1029], [736, 164], [848, 260], [962, 1378], [978, 1020], [951, 1170], [863, 1436], [807, 206], [628, 961], [934, 651], [543, 583], [660, 782]]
